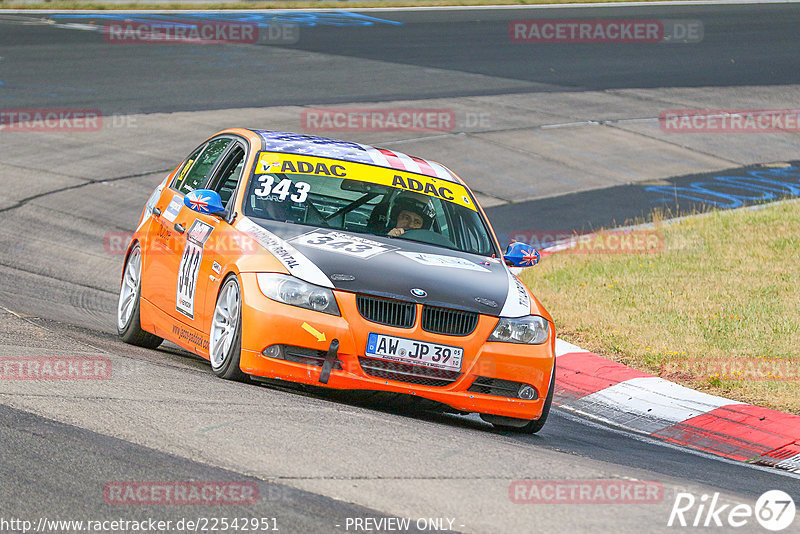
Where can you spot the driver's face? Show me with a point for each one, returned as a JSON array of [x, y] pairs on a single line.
[[408, 220]]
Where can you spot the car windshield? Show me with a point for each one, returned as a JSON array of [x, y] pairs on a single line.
[[368, 208]]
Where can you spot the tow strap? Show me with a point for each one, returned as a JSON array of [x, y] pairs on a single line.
[[330, 360]]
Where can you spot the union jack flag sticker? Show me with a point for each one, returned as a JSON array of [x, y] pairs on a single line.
[[530, 257], [198, 202]]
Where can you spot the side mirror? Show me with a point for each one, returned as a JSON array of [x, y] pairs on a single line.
[[204, 201], [521, 255]]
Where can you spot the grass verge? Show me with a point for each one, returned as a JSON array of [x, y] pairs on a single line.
[[717, 308]]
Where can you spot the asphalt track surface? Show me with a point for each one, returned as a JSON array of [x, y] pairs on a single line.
[[742, 45], [318, 458]]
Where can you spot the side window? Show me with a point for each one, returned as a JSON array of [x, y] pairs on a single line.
[[228, 174], [185, 168], [200, 170]]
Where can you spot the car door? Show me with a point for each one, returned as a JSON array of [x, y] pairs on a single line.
[[207, 244], [171, 259], [221, 248]]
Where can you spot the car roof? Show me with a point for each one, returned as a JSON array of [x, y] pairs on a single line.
[[311, 145]]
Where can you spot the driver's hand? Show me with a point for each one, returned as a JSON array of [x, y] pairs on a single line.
[[396, 232]]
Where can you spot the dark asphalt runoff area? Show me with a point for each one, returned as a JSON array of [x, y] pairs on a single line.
[[629, 204], [44, 64], [61, 472]]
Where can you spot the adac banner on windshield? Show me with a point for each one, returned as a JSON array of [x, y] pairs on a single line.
[[273, 162]]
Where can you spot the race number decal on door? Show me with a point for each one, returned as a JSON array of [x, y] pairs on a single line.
[[196, 237]]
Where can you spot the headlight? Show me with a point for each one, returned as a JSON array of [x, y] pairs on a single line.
[[531, 330], [295, 292]]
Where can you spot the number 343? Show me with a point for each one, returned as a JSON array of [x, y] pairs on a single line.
[[282, 189]]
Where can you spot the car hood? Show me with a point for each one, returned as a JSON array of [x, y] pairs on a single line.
[[393, 268]]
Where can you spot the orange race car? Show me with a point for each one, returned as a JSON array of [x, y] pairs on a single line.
[[332, 263]]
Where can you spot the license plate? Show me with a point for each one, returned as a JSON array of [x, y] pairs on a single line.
[[400, 349]]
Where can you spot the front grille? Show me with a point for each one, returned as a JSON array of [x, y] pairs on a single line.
[[386, 312], [448, 322], [290, 353], [402, 372], [495, 386]]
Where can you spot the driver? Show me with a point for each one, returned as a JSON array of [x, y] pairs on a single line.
[[410, 212]]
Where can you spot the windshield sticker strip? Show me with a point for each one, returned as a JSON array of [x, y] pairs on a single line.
[[294, 261], [441, 170], [303, 144], [376, 156], [411, 163], [518, 304], [341, 243], [438, 260], [425, 167], [407, 162], [394, 160], [419, 183]]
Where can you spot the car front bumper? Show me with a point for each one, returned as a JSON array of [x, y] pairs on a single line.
[[266, 323]]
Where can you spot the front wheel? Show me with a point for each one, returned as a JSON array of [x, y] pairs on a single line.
[[535, 426], [225, 339], [519, 425], [128, 326]]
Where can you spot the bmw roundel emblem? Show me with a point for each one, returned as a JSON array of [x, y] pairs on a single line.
[[417, 292]]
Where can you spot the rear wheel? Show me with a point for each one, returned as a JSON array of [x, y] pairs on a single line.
[[128, 326], [225, 338]]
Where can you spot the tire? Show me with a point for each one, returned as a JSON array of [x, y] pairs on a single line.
[[225, 337], [129, 327], [532, 427]]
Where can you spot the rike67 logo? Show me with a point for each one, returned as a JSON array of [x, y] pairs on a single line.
[[774, 510]]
